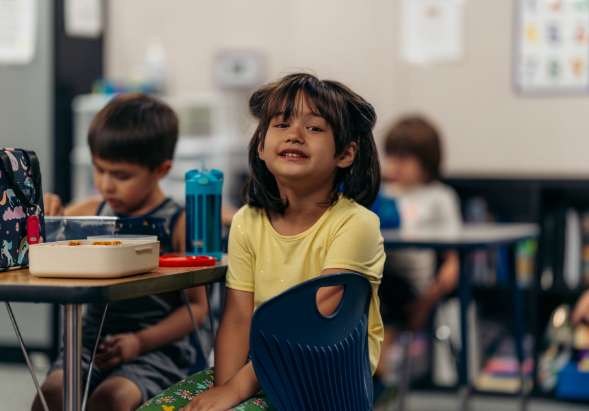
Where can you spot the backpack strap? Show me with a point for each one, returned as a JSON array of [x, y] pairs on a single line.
[[34, 163], [36, 175]]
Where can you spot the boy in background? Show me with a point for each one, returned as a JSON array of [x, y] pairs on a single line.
[[147, 348]]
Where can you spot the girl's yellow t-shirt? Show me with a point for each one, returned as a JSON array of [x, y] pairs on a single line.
[[346, 236]]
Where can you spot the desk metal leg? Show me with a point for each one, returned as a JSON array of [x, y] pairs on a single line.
[[26, 355], [72, 355], [518, 325], [464, 291]]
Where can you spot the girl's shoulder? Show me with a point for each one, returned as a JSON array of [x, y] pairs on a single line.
[[347, 209], [248, 215]]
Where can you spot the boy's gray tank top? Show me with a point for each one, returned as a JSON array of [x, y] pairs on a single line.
[[136, 314]]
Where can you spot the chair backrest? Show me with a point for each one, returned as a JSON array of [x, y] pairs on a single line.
[[307, 361]]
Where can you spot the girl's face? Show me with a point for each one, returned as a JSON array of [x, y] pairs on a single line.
[[126, 187], [405, 170], [302, 148]]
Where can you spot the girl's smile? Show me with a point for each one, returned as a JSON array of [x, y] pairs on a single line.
[[293, 155]]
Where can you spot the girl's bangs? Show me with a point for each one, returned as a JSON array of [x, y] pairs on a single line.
[[287, 99]]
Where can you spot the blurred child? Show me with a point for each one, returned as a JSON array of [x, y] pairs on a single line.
[[411, 173], [145, 345], [581, 311], [313, 167]]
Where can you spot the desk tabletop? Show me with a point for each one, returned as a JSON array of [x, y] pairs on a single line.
[[470, 236], [21, 286]]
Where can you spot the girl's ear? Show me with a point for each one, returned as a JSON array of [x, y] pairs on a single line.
[[348, 156], [261, 150], [163, 169]]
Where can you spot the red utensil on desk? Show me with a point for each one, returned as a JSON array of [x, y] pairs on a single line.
[[173, 260]]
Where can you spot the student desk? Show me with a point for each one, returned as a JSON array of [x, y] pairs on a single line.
[[20, 286], [466, 240]]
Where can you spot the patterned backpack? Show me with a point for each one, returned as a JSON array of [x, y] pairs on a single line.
[[21, 206]]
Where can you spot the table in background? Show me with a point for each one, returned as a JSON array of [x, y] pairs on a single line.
[[465, 241]]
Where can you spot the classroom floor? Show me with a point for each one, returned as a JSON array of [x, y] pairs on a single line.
[[17, 391], [424, 401]]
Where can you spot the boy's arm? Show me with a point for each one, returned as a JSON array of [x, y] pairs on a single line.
[[124, 347], [176, 325], [54, 207], [83, 208], [198, 296], [179, 234]]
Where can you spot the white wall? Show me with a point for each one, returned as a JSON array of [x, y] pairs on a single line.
[[351, 41], [489, 129]]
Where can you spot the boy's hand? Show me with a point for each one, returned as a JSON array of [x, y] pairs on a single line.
[[118, 349], [52, 204], [219, 398], [581, 311]]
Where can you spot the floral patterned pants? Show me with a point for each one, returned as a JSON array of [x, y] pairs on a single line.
[[180, 394]]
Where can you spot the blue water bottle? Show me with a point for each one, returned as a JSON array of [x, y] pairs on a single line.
[[203, 212]]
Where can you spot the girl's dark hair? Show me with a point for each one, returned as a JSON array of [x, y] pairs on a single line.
[[416, 136], [134, 128], [351, 119]]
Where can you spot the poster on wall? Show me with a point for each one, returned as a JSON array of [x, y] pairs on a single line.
[[18, 20], [552, 46], [432, 31], [83, 18]]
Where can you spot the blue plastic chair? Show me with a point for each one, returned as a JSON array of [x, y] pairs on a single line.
[[306, 361]]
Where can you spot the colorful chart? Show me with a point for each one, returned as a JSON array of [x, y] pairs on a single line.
[[552, 46]]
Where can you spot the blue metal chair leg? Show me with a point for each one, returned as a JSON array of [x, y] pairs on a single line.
[[464, 293], [405, 340]]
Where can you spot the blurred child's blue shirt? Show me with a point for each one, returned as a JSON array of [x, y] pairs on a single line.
[[385, 207]]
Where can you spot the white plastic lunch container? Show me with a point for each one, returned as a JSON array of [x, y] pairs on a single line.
[[87, 260]]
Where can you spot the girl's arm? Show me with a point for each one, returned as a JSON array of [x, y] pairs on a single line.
[[235, 380], [232, 345]]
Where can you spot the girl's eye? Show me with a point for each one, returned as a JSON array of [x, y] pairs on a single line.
[[315, 129], [281, 125]]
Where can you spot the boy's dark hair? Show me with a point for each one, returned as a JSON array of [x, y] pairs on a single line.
[[351, 119], [134, 128], [416, 136]]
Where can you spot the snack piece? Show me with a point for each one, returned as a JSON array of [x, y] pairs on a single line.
[[74, 242], [115, 242]]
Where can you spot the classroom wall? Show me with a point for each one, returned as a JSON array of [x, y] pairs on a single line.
[[26, 98], [344, 39], [488, 128]]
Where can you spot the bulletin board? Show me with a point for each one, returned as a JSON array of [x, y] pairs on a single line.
[[551, 46]]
